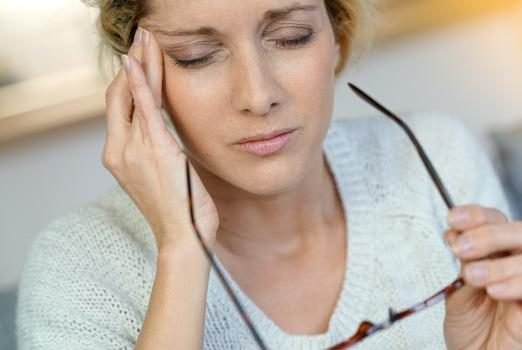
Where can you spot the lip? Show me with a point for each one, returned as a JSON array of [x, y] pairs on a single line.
[[262, 137], [266, 144]]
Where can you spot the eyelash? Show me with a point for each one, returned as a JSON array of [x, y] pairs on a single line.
[[285, 43], [295, 42], [195, 62]]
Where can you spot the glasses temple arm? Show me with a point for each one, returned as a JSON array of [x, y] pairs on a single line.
[[220, 274], [427, 163]]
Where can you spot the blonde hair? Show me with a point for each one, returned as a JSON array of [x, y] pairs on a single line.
[[118, 21]]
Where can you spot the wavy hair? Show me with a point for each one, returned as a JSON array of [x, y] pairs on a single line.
[[351, 21]]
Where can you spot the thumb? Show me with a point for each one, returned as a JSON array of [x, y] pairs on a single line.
[[464, 300], [205, 212]]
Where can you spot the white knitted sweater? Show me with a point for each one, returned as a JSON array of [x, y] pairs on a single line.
[[88, 278]]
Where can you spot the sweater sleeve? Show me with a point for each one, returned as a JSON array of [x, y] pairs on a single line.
[[78, 290]]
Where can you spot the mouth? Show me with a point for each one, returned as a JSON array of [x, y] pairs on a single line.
[[267, 144], [264, 137]]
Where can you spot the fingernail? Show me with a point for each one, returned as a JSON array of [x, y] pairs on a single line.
[[126, 62], [450, 240], [457, 216], [478, 273], [463, 245], [137, 35], [497, 288], [145, 36]]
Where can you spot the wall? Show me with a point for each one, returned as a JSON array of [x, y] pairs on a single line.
[[472, 70], [42, 177]]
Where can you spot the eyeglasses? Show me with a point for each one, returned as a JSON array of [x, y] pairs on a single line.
[[366, 328]]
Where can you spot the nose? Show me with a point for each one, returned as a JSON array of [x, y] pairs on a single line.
[[255, 90]]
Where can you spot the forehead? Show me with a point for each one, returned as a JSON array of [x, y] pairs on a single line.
[[191, 13]]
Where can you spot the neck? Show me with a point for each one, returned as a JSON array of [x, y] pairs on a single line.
[[280, 224]]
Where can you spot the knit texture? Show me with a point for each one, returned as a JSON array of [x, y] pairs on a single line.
[[88, 277]]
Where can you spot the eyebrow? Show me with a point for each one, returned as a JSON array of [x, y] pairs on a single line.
[[269, 15]]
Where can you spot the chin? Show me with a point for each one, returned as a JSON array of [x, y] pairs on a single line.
[[269, 188], [270, 177]]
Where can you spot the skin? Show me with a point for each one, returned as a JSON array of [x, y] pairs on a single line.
[[273, 220]]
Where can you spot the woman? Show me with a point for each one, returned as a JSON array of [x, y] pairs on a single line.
[[318, 225]]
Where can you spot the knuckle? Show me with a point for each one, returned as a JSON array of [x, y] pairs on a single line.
[[479, 215], [109, 161], [504, 267], [110, 92], [495, 215], [113, 93], [130, 157], [141, 100], [143, 105], [499, 269], [136, 85], [491, 271], [483, 236]]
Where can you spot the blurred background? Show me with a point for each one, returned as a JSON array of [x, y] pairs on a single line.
[[462, 58]]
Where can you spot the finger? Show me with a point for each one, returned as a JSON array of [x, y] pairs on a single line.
[[153, 70], [467, 217], [118, 101], [138, 132], [464, 300], [145, 106], [137, 45], [509, 289], [119, 109], [450, 236], [485, 272], [153, 65], [486, 240]]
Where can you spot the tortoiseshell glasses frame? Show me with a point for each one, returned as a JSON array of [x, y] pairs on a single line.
[[366, 328]]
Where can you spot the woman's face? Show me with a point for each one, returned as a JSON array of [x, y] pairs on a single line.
[[237, 69]]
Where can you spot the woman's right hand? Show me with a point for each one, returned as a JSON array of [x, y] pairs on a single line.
[[144, 157]]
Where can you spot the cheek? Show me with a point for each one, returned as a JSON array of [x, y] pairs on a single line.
[[183, 94], [310, 81], [310, 73], [313, 84], [193, 105]]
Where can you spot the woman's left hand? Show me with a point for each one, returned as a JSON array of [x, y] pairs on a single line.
[[486, 313]]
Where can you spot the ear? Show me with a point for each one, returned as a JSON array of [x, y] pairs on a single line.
[[337, 54]]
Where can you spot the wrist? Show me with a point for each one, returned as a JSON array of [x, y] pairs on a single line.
[[182, 250], [169, 238]]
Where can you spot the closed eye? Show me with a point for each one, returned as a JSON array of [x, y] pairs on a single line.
[[301, 41], [284, 43], [194, 62]]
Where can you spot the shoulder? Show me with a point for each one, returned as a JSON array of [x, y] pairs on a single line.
[[378, 139], [451, 145], [89, 270], [97, 229], [429, 128]]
